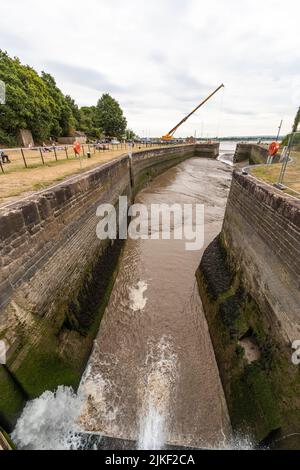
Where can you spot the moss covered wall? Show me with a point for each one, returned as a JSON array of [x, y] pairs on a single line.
[[249, 281], [56, 275]]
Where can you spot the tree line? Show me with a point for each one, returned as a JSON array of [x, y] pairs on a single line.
[[35, 102]]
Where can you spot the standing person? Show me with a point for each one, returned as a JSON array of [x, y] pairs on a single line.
[[45, 148], [77, 148], [4, 157]]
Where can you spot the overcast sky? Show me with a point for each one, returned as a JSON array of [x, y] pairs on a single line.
[[159, 58]]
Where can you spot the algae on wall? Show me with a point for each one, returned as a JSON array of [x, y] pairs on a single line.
[[56, 353], [143, 176], [263, 391], [12, 399], [50, 346]]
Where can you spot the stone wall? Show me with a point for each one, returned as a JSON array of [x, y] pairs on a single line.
[[50, 262], [56, 274], [262, 231], [24, 138], [71, 140], [146, 165], [251, 153], [208, 150], [249, 281]]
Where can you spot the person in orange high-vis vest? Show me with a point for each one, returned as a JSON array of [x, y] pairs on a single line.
[[77, 148]]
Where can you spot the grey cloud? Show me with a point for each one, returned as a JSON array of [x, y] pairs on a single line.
[[86, 77], [158, 58], [161, 58], [174, 77], [12, 41], [187, 81], [240, 111]]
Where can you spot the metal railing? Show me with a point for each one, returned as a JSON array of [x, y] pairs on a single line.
[[283, 171], [289, 174], [15, 159]]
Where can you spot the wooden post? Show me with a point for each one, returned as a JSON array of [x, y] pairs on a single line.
[[1, 166], [66, 150], [25, 163], [42, 157], [54, 148]]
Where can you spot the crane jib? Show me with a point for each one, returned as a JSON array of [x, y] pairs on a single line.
[[172, 131]]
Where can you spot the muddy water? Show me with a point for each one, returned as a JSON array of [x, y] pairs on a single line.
[[152, 376]]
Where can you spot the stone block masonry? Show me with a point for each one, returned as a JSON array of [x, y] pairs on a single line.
[[56, 274], [262, 231], [209, 150], [49, 259], [253, 154], [249, 282]]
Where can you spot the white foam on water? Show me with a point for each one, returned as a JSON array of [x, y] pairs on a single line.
[[226, 158], [152, 430], [237, 442], [136, 296], [48, 422], [99, 405], [240, 443], [53, 421], [159, 380], [56, 420]]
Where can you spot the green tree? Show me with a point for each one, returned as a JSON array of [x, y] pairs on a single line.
[[87, 122], [296, 121], [75, 110], [32, 102], [35, 102], [27, 103], [130, 135], [62, 120], [109, 117]]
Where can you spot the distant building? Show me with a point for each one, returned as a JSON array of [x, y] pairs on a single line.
[[24, 138]]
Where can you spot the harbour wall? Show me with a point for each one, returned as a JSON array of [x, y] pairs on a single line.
[[56, 275], [209, 150], [254, 154], [249, 281]]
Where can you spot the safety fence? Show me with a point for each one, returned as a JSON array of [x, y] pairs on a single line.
[[285, 173], [289, 175], [15, 159]]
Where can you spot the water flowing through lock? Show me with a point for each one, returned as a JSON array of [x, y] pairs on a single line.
[[152, 379]]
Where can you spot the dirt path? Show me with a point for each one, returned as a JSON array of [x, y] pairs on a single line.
[[19, 180]]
